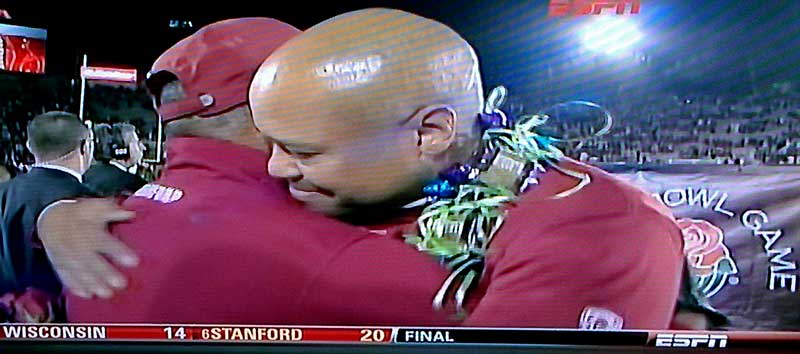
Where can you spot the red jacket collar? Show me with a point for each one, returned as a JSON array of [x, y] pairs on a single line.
[[227, 158]]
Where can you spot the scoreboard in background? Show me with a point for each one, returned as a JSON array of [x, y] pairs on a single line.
[[22, 49]]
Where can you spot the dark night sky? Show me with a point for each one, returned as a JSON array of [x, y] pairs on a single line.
[[711, 44]]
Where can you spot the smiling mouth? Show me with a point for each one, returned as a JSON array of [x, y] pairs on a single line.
[[301, 194], [307, 193]]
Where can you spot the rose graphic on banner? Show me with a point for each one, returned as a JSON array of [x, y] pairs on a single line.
[[741, 230], [710, 260]]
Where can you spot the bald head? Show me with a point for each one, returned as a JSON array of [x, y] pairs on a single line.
[[370, 65], [399, 91]]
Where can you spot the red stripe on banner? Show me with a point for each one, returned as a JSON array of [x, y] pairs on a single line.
[[289, 334], [136, 332], [360, 335]]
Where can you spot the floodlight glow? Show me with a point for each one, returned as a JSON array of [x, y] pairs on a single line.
[[610, 35]]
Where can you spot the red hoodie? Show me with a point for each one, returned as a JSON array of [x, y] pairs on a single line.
[[225, 249]]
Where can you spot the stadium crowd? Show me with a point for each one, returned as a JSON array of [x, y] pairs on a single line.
[[656, 129], [759, 129]]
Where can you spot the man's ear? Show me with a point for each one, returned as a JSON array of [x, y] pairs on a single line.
[[436, 130]]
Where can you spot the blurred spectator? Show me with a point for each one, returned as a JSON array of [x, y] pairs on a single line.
[[62, 146], [118, 151]]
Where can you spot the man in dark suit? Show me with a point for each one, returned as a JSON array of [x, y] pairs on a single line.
[[62, 145], [118, 149]]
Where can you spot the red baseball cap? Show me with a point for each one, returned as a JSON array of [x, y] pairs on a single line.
[[216, 64]]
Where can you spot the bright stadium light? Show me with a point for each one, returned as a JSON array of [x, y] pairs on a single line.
[[610, 35]]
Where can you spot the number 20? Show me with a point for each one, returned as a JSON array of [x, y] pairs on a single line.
[[372, 335]]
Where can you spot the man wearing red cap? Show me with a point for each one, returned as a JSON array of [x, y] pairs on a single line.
[[219, 240]]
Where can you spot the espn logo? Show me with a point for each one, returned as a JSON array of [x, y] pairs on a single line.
[[559, 8], [691, 340]]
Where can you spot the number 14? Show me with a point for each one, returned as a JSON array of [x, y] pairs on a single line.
[[179, 333]]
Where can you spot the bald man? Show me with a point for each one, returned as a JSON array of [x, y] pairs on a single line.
[[367, 107]]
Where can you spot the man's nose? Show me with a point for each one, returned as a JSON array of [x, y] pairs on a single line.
[[282, 165]]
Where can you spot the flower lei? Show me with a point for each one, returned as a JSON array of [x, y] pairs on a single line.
[[467, 202]]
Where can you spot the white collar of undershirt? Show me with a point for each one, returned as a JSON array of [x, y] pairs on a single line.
[[119, 165], [62, 169]]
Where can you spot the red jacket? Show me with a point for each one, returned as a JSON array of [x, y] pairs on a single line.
[[609, 246], [221, 243]]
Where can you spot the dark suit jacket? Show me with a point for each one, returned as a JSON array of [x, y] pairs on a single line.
[[107, 180], [23, 261]]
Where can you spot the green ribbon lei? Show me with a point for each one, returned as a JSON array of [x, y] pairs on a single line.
[[460, 229]]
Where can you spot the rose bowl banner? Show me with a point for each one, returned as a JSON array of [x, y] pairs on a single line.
[[741, 227]]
